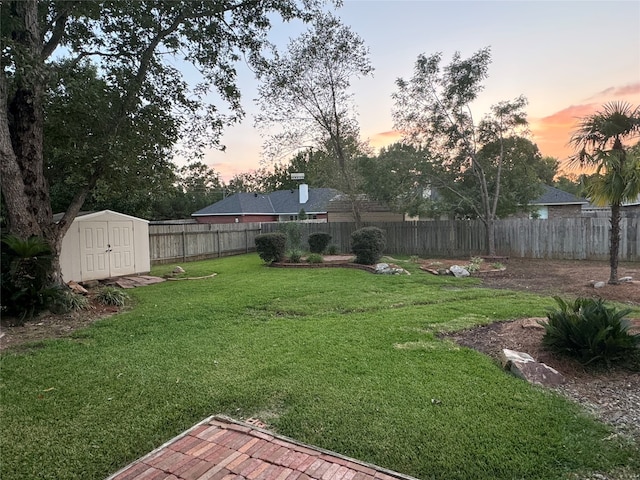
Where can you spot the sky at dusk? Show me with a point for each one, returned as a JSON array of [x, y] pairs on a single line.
[[567, 57]]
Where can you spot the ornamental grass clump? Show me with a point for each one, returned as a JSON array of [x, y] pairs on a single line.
[[589, 330], [112, 296], [315, 258]]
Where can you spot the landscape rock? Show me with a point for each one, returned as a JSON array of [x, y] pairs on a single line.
[[599, 284], [524, 366], [458, 271], [533, 323], [625, 279], [77, 288], [177, 270], [386, 269]]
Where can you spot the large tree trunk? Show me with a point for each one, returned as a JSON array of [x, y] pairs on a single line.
[[614, 243]]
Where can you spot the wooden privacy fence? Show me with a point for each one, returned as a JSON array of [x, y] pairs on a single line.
[[192, 241], [578, 238]]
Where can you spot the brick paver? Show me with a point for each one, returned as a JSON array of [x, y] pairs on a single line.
[[220, 448]]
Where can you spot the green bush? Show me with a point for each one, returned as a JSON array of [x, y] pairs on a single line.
[[318, 242], [588, 330], [293, 232], [315, 258], [271, 246], [332, 250], [112, 296], [66, 300], [295, 256], [26, 288], [367, 244]]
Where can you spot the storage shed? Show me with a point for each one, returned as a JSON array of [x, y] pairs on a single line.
[[105, 244]]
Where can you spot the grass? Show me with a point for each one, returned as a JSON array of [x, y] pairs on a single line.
[[341, 359]]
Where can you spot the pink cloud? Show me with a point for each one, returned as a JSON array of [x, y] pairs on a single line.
[[383, 139], [633, 89]]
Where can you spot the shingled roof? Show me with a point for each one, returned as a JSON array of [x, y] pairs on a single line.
[[554, 196], [282, 202]]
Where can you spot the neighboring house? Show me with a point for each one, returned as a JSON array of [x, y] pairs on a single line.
[[280, 206], [555, 203], [341, 210], [627, 209]]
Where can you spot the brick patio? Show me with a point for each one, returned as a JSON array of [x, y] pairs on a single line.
[[219, 448]]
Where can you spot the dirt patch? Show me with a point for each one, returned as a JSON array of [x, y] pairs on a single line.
[[567, 278], [49, 325]]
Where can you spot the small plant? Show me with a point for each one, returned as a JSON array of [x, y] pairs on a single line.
[[315, 258], [332, 250], [474, 264], [295, 256], [112, 296], [367, 244], [65, 300], [318, 242], [293, 233], [26, 287], [414, 259], [498, 266], [588, 330], [271, 246]]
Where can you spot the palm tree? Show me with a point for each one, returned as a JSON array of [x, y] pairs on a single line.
[[598, 142]]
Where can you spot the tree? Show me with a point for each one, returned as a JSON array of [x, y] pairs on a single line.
[[304, 94], [398, 177], [433, 109], [134, 46], [514, 162], [598, 142]]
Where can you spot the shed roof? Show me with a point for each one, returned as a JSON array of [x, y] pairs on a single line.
[[282, 202]]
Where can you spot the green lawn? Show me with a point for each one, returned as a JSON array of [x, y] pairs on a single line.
[[338, 358]]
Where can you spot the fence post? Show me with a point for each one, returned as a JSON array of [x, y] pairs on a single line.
[[184, 245]]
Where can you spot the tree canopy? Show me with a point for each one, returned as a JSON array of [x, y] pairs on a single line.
[[132, 56], [598, 141], [433, 110]]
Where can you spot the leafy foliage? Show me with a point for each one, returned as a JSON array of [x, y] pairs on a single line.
[[368, 244], [598, 141], [26, 288], [65, 300], [315, 258], [433, 109], [294, 255], [112, 296], [589, 330], [293, 232], [318, 242], [271, 246]]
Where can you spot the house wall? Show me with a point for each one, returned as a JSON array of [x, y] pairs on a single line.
[[564, 211]]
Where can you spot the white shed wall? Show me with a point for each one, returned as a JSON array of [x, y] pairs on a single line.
[[105, 244]]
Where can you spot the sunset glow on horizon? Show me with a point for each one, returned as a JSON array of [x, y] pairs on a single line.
[[564, 70]]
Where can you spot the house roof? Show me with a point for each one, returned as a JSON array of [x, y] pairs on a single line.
[[554, 196], [282, 202]]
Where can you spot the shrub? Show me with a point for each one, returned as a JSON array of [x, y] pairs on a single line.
[[367, 244], [112, 296], [26, 288], [318, 242], [295, 256], [271, 246], [332, 250], [588, 330], [474, 264], [315, 258], [293, 232], [66, 300]]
